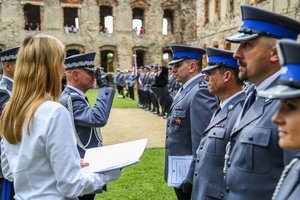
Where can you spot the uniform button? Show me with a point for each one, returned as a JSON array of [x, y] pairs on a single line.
[[168, 125], [222, 195], [167, 136], [196, 173], [214, 133], [166, 147], [201, 147], [198, 160], [227, 189], [250, 138], [228, 164]]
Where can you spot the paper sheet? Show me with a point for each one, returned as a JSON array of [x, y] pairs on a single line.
[[178, 169], [115, 156]]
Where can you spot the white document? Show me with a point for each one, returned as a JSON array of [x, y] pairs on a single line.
[[115, 156], [178, 169]]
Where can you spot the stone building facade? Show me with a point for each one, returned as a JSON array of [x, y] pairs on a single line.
[[218, 19], [107, 26]]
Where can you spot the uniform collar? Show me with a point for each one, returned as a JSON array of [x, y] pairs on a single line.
[[266, 83], [191, 80], [77, 90], [223, 104], [9, 79]]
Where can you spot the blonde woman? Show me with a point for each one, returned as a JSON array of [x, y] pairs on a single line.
[[288, 117], [39, 147]]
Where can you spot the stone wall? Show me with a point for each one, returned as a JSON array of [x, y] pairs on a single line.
[[197, 22], [121, 42], [215, 31]]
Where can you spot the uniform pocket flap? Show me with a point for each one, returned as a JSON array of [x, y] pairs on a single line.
[[215, 191], [258, 136], [217, 133]]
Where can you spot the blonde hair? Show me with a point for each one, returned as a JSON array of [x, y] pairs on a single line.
[[37, 78]]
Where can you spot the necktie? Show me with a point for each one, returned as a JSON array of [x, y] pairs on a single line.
[[250, 100]]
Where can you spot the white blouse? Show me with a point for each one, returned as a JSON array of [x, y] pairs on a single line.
[[45, 165]]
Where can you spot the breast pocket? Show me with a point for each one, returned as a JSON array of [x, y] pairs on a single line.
[[254, 152], [215, 143]]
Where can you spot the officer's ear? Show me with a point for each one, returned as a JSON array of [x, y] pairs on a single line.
[[75, 74], [227, 76], [274, 58], [193, 66]]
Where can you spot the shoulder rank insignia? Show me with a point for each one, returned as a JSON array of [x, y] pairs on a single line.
[[202, 84]]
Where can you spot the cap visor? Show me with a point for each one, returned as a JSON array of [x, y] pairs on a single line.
[[280, 92], [209, 67], [173, 62], [241, 37]]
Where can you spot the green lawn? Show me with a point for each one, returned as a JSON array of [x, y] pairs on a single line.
[[117, 103], [142, 181]]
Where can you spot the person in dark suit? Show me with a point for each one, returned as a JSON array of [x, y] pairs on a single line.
[[8, 60], [80, 74], [190, 111], [254, 161], [287, 117], [206, 170]]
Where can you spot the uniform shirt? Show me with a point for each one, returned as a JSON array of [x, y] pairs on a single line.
[[45, 165]]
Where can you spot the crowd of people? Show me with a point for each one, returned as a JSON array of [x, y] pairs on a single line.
[[237, 117], [70, 29], [125, 81]]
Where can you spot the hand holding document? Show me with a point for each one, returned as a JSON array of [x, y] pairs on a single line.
[[115, 156], [178, 169]]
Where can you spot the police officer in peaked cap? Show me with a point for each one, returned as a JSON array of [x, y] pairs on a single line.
[[287, 117], [206, 170], [80, 74], [189, 112], [254, 160]]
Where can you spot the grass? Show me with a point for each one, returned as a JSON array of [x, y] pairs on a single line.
[[142, 181], [117, 103]]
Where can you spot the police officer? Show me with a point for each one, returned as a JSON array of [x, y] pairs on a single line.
[[153, 99], [206, 170], [287, 117], [255, 160], [189, 112], [80, 73], [146, 87], [131, 84], [140, 86], [8, 60]]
